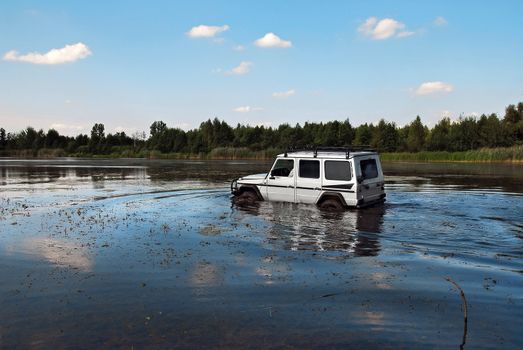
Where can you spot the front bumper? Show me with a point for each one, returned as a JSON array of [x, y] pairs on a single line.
[[234, 187]]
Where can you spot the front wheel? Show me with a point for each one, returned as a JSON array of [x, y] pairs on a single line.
[[246, 197]]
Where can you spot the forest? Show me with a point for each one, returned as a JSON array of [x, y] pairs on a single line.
[[216, 139]]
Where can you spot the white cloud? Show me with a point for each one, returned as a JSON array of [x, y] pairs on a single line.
[[383, 29], [183, 126], [446, 114], [128, 131], [203, 31], [264, 124], [284, 94], [432, 87], [247, 109], [67, 129], [440, 21], [405, 34], [243, 68], [67, 54], [272, 40], [238, 48]]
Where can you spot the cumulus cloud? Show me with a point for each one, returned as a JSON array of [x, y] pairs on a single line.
[[440, 21], [383, 29], [432, 87], [445, 114], [204, 31], [243, 68], [247, 109], [272, 40], [284, 94], [67, 129], [67, 54]]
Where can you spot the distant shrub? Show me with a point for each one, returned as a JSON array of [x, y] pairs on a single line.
[[51, 153]]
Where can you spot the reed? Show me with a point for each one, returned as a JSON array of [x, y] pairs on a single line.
[[501, 154], [512, 154]]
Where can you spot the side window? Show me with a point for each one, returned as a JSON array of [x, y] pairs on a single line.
[[283, 167], [310, 169], [369, 169], [337, 170]]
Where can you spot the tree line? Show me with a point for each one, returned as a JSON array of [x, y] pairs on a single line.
[[467, 133]]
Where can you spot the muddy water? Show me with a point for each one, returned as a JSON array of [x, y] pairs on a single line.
[[143, 254]]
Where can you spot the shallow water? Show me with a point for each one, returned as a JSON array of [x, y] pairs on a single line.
[[153, 254]]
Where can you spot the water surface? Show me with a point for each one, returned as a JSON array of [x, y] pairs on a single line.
[[153, 254]]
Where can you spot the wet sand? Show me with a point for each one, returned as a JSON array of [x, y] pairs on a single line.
[[154, 254]]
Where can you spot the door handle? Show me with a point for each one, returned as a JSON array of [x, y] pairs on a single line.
[[290, 186], [317, 188], [272, 177]]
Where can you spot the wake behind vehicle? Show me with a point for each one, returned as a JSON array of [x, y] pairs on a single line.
[[330, 177]]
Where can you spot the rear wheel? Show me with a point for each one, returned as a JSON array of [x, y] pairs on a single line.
[[331, 204]]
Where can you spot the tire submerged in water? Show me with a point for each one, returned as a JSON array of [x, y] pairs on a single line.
[[246, 198], [331, 204]]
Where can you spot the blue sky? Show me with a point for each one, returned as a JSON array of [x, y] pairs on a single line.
[[129, 63]]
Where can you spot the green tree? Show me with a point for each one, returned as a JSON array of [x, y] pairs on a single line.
[[363, 134], [385, 136], [490, 131], [158, 128], [97, 141], [3, 139], [52, 138], [438, 138], [512, 115], [416, 136]]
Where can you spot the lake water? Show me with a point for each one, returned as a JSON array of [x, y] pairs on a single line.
[[153, 254]]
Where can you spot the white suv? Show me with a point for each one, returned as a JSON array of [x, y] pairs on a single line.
[[330, 177]]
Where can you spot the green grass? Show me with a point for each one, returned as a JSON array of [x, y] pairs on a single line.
[[502, 154]]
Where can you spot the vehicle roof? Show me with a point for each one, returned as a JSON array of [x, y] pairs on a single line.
[[325, 154]]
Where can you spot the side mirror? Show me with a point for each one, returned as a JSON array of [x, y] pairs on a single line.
[[359, 179]]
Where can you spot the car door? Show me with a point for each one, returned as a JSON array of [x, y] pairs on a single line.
[[281, 181], [308, 182], [371, 181], [338, 176]]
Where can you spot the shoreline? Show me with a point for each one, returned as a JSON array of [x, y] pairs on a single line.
[[190, 158]]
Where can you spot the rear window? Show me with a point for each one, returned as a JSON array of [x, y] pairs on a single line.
[[335, 170], [369, 169], [310, 169]]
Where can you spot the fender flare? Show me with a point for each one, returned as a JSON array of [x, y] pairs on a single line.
[[249, 187]]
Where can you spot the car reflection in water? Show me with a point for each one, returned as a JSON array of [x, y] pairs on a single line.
[[305, 227]]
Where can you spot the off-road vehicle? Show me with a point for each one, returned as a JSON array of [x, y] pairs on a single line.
[[330, 177]]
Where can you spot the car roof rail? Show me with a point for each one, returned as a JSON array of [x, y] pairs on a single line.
[[346, 149]]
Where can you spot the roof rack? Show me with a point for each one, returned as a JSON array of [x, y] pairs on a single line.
[[346, 149]]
